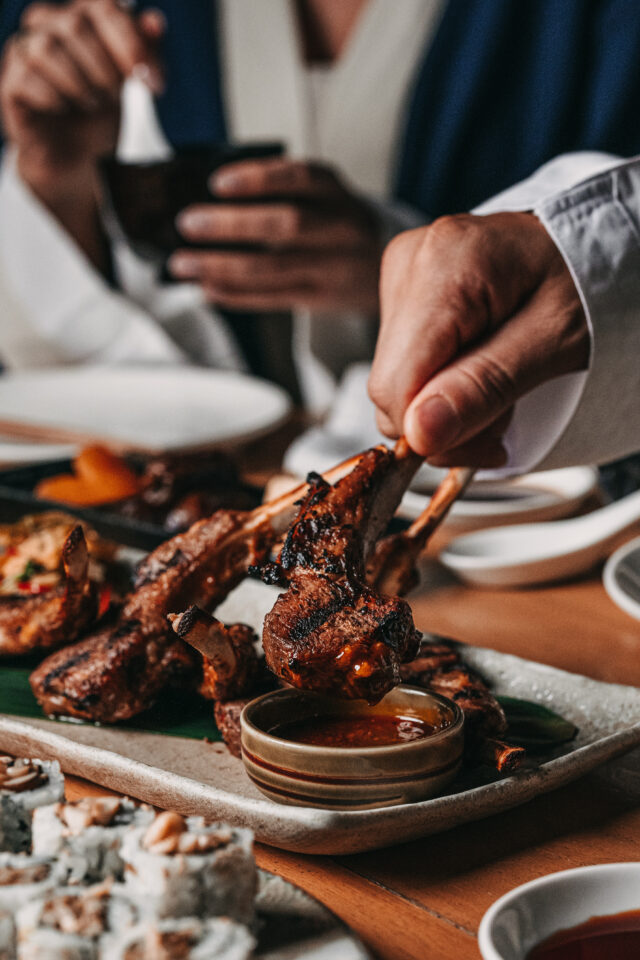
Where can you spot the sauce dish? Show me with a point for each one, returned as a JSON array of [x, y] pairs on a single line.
[[351, 777], [529, 914]]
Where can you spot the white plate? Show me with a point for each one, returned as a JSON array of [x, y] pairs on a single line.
[[547, 495], [283, 907], [160, 408], [533, 496], [621, 577]]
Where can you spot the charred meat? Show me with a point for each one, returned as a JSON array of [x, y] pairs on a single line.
[[120, 671], [330, 631], [440, 668], [230, 663]]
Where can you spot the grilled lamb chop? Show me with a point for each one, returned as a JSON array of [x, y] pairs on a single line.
[[391, 568], [230, 663], [330, 631], [233, 672], [48, 620], [118, 672], [439, 667], [227, 717]]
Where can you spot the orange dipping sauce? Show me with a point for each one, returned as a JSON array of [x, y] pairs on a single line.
[[601, 938], [376, 730]]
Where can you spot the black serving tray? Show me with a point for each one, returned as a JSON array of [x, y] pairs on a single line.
[[17, 498]]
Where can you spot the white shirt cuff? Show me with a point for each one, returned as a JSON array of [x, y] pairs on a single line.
[[596, 227], [542, 417]]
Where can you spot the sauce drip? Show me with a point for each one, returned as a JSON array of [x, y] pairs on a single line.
[[376, 730], [616, 937]]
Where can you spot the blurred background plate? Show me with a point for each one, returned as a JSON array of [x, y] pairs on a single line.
[[532, 497], [547, 495], [166, 408], [621, 577]]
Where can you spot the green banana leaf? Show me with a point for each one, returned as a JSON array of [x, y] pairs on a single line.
[[179, 714], [534, 727], [182, 715]]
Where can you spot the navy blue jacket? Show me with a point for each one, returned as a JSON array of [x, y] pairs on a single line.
[[504, 86]]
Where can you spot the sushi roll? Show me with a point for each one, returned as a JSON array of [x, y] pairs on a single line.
[[184, 867], [68, 923], [24, 877], [188, 938], [25, 785], [86, 836]]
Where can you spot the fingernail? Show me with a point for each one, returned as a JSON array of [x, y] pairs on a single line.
[[225, 180], [150, 76], [182, 265], [439, 423], [188, 221]]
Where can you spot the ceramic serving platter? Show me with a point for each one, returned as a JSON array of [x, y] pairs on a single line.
[[199, 777]]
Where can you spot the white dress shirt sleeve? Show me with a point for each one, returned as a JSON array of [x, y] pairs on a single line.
[[590, 205]]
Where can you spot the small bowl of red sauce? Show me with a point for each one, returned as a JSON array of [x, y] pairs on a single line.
[[589, 912], [307, 750]]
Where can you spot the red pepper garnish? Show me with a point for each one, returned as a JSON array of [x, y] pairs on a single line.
[[24, 585], [105, 600]]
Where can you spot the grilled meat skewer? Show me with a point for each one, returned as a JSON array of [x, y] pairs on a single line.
[[120, 671], [230, 662], [233, 673], [330, 631], [391, 569], [439, 667]]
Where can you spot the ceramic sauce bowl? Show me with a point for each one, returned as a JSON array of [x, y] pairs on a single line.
[[529, 914], [339, 777]]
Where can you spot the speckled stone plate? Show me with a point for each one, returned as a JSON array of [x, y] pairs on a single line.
[[197, 777]]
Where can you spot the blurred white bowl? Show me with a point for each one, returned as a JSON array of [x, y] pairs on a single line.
[[526, 916]]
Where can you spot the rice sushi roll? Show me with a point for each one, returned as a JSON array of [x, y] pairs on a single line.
[[68, 923], [25, 785], [86, 836], [184, 867], [24, 877], [188, 938]]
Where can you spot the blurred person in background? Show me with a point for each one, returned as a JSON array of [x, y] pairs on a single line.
[[392, 114]]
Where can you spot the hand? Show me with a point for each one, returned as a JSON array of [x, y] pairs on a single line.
[[60, 83], [315, 243], [475, 312]]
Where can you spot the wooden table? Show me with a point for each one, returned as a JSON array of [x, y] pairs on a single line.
[[424, 900]]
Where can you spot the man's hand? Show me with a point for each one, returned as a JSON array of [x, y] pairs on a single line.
[[476, 312], [60, 82], [315, 243]]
